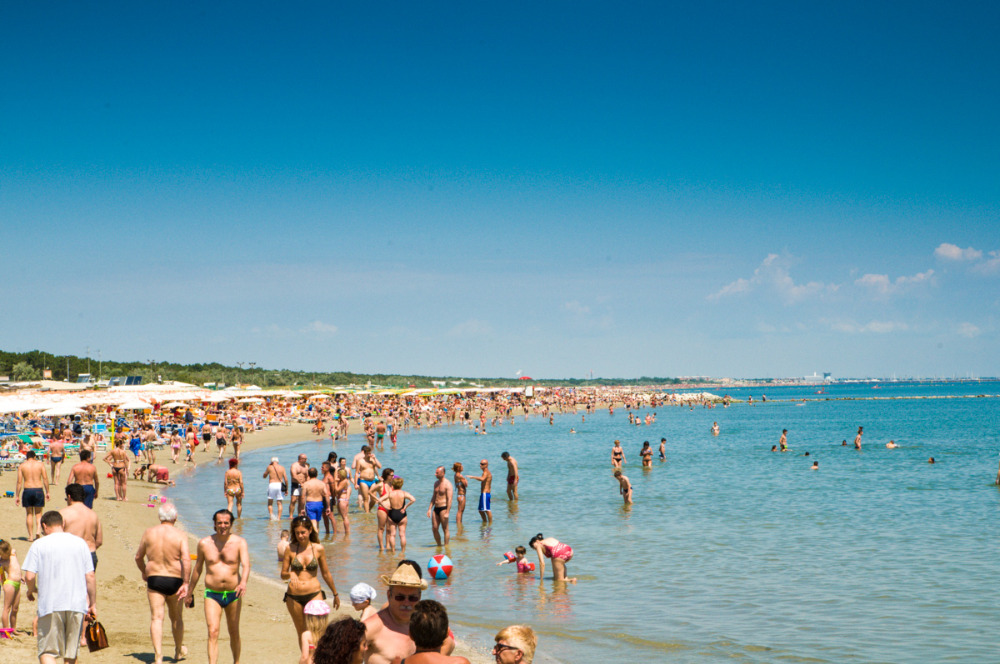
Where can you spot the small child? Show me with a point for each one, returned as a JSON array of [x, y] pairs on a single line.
[[317, 615], [283, 544], [10, 571], [523, 566], [362, 596]]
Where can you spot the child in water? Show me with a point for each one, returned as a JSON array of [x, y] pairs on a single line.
[[523, 566], [283, 543]]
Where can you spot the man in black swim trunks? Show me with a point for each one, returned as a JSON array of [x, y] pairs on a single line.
[[164, 562], [441, 498], [32, 478], [226, 560]]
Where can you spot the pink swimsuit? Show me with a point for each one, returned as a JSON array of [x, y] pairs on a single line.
[[563, 552]]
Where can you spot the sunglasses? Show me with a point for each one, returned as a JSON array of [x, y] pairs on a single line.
[[403, 598], [500, 647]]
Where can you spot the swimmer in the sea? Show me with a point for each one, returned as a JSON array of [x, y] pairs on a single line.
[[931, 460], [783, 441], [857, 439], [774, 448], [891, 445], [715, 428], [663, 449], [815, 466]]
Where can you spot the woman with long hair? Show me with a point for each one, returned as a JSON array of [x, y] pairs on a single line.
[[302, 565]]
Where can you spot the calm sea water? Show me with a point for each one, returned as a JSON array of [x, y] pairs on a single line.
[[730, 552]]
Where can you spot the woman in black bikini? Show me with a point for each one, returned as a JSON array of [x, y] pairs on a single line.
[[617, 455], [303, 563], [395, 502]]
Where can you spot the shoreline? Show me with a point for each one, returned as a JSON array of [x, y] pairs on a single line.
[[122, 605]]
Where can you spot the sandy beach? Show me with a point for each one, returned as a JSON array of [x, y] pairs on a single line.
[[122, 607]]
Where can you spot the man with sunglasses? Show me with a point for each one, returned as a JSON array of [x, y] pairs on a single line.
[[388, 631]]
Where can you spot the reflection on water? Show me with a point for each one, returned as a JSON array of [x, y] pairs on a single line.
[[729, 552]]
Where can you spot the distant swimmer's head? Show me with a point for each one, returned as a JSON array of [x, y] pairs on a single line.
[[806, 454], [815, 465], [931, 460], [774, 448]]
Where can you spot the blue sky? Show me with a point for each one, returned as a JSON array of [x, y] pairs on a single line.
[[725, 189]]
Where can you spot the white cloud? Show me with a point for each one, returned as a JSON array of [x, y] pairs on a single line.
[[952, 252], [772, 276], [989, 266], [872, 327], [470, 328], [318, 327], [576, 308], [969, 331], [880, 283]]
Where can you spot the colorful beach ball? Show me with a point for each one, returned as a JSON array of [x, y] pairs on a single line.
[[439, 566]]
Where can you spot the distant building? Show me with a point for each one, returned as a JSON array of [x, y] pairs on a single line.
[[816, 378]]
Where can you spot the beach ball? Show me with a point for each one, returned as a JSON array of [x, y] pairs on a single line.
[[439, 566]]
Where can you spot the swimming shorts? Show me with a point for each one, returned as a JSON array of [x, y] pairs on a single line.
[[164, 585], [56, 459], [440, 508], [510, 479], [314, 510], [367, 483], [33, 498], [484, 502], [222, 597], [274, 491], [162, 474], [15, 584], [295, 488], [89, 493]]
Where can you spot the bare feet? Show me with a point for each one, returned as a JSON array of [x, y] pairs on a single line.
[[180, 653]]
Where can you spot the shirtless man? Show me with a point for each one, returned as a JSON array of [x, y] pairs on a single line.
[[441, 498], [783, 441], [275, 475], [513, 476], [80, 520], [380, 435], [117, 458], [315, 498], [624, 487], [32, 478], [486, 480], [298, 472], [165, 564], [364, 466], [57, 453], [388, 631], [663, 449], [857, 439], [226, 560], [84, 473], [233, 487]]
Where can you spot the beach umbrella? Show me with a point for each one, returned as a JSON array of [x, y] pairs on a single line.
[[174, 404], [61, 411], [135, 405], [215, 398], [320, 396], [250, 400]]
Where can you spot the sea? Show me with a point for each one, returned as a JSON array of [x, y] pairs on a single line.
[[730, 552]]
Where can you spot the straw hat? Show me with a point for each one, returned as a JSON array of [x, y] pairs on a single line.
[[405, 576]]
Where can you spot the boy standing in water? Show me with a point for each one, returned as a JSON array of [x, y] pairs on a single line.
[[624, 487]]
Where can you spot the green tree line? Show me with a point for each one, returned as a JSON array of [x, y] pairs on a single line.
[[29, 366]]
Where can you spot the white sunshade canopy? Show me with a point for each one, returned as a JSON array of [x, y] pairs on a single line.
[[61, 411]]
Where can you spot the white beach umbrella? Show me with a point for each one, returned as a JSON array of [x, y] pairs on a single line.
[[319, 396], [250, 400], [135, 405], [216, 398], [174, 404], [61, 411]]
